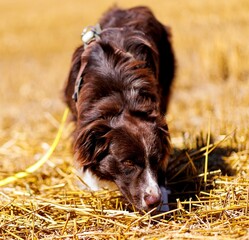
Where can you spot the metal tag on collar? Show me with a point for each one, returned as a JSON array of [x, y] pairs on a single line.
[[90, 33]]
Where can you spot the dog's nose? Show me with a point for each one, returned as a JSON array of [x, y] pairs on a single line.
[[152, 200]]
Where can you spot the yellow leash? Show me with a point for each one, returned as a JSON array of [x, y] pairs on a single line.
[[44, 158]]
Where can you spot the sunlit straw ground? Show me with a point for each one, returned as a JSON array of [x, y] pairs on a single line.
[[210, 99]]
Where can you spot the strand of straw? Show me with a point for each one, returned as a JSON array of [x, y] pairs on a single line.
[[43, 159], [206, 154]]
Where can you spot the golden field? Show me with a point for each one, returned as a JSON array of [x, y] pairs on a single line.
[[210, 100]]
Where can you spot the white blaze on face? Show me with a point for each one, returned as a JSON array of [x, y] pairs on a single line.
[[150, 186]]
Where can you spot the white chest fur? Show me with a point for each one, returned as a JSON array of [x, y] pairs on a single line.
[[92, 182]]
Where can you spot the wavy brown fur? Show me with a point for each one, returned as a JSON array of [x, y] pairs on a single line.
[[126, 86]]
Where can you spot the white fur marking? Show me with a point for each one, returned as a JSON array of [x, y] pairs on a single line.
[[151, 187], [151, 184], [92, 182]]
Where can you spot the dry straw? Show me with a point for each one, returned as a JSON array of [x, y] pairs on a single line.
[[39, 163], [45, 203]]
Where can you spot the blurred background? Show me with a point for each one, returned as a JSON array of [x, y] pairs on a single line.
[[37, 39]]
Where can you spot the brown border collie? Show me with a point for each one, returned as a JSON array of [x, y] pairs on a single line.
[[118, 91]]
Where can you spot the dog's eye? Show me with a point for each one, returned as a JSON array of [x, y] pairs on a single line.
[[128, 167], [128, 163], [146, 115]]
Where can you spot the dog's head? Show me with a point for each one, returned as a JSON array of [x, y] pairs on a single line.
[[132, 155]]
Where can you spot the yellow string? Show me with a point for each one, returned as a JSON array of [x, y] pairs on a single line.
[[44, 158]]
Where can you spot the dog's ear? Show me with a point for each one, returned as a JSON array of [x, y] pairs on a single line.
[[143, 50], [165, 138], [166, 74], [70, 82], [92, 143]]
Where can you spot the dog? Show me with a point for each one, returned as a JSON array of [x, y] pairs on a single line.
[[118, 92]]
